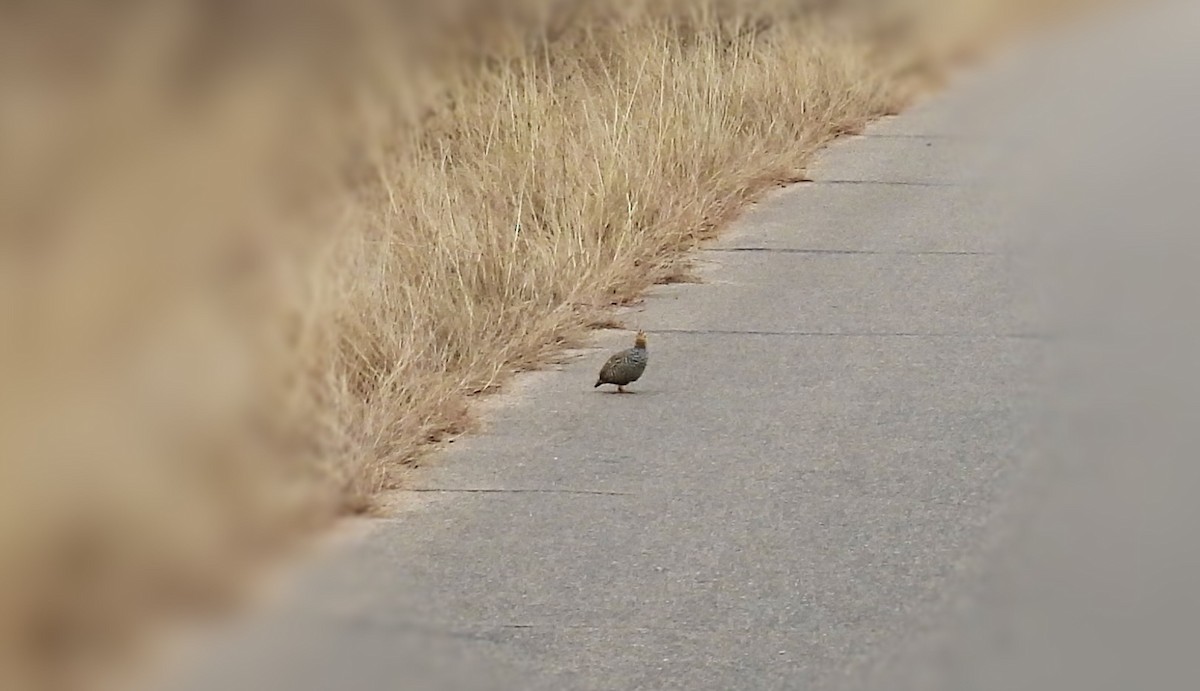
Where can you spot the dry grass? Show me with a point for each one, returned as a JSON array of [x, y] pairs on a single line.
[[255, 260], [556, 186]]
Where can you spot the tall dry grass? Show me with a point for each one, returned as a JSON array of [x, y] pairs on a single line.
[[257, 256], [548, 188]]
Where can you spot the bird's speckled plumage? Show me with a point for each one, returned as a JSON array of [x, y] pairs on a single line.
[[627, 366]]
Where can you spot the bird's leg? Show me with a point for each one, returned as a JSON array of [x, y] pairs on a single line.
[[620, 389]]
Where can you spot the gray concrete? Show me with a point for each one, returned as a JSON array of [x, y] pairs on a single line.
[[928, 423]]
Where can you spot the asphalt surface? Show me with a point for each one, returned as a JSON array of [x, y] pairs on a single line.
[[929, 422]]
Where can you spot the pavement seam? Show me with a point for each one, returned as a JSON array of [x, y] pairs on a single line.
[[472, 490], [885, 253], [853, 334], [900, 183], [933, 137]]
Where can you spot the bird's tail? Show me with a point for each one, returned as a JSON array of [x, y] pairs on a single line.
[[598, 383]]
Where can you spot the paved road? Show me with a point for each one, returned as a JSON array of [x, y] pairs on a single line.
[[929, 423]]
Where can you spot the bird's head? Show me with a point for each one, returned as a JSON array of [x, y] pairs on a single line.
[[640, 340]]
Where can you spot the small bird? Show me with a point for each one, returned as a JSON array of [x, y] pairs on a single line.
[[625, 367]]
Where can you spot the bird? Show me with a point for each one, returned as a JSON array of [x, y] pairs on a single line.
[[625, 367]]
